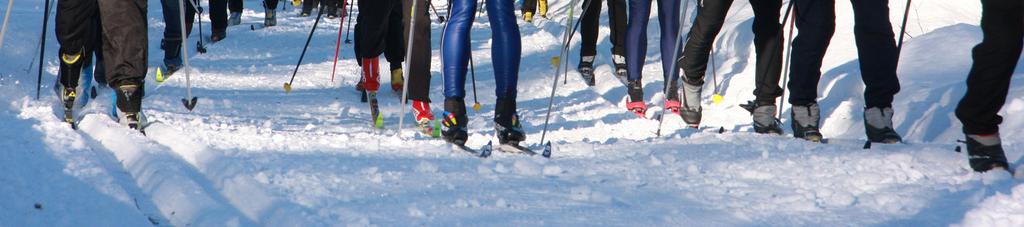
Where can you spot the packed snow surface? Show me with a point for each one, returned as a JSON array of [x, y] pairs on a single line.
[[251, 154]]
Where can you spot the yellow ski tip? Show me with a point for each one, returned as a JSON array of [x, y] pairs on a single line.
[[287, 87], [716, 99], [555, 60], [159, 75], [379, 122], [476, 106]]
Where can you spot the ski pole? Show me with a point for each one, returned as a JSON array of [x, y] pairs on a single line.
[[337, 44], [716, 98], [676, 51], [7, 17], [347, 40], [789, 55], [903, 30], [189, 101], [199, 18], [408, 58], [319, 13], [42, 47], [472, 67], [557, 63]]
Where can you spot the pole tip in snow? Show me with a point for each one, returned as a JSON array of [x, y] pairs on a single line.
[[190, 104], [555, 61], [287, 87], [476, 106], [717, 98]]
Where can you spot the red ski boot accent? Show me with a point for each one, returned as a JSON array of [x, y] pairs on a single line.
[[638, 108], [674, 106], [422, 111], [371, 74]]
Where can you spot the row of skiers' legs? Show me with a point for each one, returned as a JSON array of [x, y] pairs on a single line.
[[988, 82], [109, 29]]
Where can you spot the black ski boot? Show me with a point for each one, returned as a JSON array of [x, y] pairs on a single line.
[[172, 60], [635, 104], [586, 69], [269, 16], [878, 125], [763, 114], [506, 123], [453, 126], [805, 122], [985, 152], [691, 110], [70, 69], [129, 103]]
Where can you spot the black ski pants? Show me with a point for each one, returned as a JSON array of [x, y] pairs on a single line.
[[995, 59], [616, 22], [767, 45], [123, 36], [78, 32], [235, 6], [379, 30], [876, 49], [218, 15], [528, 6], [267, 4], [419, 61]]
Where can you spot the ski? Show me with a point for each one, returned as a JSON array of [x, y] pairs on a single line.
[[376, 117], [515, 148], [483, 152]]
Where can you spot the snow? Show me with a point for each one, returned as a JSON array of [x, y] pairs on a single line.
[[250, 154]]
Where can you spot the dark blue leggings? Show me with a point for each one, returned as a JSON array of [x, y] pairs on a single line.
[[455, 47], [636, 36]]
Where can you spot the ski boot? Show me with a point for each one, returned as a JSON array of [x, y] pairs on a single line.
[[620, 68], [542, 8], [67, 98], [172, 60], [763, 114], [129, 104], [397, 80], [528, 17], [586, 69], [296, 3], [70, 69], [636, 103], [672, 99], [453, 126], [691, 112], [332, 12], [878, 125], [506, 123], [235, 18], [805, 122], [425, 120], [217, 36], [985, 152], [269, 18]]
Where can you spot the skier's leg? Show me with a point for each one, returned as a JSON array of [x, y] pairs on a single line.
[[529, 6], [506, 54], [371, 32], [270, 4], [694, 61], [636, 37], [816, 21], [617, 23], [876, 49], [125, 50], [768, 47], [218, 19], [307, 7], [995, 59], [419, 64], [455, 49], [668, 18], [235, 6], [989, 81], [171, 42], [394, 50], [589, 26], [74, 28]]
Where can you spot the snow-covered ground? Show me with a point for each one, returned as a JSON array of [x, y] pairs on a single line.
[[250, 154]]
